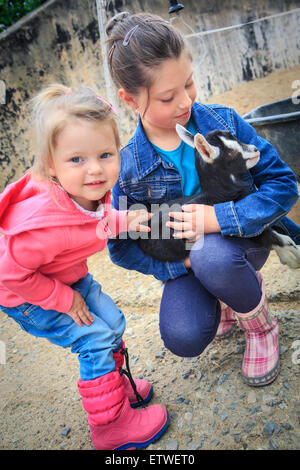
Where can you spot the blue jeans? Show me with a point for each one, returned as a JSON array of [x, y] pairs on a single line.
[[222, 268], [94, 344]]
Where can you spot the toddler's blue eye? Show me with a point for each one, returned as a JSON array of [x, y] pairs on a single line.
[[105, 155], [76, 159]]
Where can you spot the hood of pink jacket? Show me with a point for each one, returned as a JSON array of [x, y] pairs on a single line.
[[28, 204]]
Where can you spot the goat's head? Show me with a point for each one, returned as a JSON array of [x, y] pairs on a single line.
[[221, 151]]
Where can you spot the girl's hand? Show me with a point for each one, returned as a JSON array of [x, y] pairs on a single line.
[[187, 262], [196, 220], [135, 219], [79, 311]]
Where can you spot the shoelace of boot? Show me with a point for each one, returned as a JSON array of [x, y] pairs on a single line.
[[127, 372]]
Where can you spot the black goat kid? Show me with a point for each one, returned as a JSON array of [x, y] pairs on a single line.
[[220, 160]]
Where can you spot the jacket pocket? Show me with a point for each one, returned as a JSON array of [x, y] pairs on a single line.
[[41, 319], [149, 195]]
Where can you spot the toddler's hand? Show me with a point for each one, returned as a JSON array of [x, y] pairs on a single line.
[[79, 311], [135, 219]]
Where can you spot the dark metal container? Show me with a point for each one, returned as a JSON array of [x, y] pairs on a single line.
[[279, 123]]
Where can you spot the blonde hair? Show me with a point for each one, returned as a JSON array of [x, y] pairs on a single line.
[[52, 109]]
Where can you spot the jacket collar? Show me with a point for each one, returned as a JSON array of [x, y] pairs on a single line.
[[145, 156]]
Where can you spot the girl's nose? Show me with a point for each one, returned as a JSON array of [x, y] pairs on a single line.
[[186, 100], [95, 167]]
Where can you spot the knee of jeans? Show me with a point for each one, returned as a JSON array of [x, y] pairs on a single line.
[[209, 262], [185, 342]]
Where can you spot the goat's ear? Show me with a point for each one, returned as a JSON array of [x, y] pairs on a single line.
[[185, 135], [208, 152]]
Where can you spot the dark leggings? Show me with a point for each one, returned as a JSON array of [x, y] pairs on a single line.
[[222, 268]]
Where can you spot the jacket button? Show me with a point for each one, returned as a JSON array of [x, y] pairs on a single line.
[[25, 313]]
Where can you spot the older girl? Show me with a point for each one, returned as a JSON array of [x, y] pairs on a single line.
[[153, 71]]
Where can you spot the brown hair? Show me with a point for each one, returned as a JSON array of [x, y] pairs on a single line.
[[52, 109], [137, 44]]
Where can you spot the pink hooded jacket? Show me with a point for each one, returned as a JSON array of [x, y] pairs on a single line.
[[46, 239]]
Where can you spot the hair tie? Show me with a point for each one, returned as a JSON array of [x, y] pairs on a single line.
[[108, 104], [103, 100]]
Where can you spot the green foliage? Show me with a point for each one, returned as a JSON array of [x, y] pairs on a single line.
[[12, 11]]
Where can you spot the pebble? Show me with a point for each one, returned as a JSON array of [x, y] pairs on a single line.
[[212, 385], [233, 405], [248, 426], [180, 399], [188, 417], [274, 402], [251, 397], [172, 445], [273, 445], [254, 410], [195, 446], [199, 376], [134, 360], [269, 429], [65, 432], [223, 378], [160, 354]]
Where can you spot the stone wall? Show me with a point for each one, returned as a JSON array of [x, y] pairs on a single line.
[[60, 42]]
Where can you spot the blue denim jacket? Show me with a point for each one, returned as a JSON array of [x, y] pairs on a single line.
[[146, 178]]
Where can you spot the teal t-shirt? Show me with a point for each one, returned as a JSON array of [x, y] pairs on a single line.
[[183, 158]]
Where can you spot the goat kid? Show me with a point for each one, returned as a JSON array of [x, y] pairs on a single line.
[[220, 161]]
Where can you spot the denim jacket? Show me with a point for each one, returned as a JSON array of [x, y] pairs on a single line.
[[147, 179]]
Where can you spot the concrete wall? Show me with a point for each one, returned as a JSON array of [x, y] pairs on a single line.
[[60, 42]]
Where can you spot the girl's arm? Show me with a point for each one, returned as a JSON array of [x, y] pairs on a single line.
[[19, 270], [124, 252]]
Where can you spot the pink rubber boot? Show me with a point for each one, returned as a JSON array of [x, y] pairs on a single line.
[[261, 357], [143, 388], [114, 425], [227, 323]]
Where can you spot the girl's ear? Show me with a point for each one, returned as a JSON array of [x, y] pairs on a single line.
[[127, 98], [51, 168]]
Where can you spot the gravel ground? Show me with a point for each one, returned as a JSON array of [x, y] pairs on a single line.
[[210, 407]]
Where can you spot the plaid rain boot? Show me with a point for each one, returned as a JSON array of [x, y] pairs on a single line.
[[261, 357], [227, 323], [114, 425], [138, 391]]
